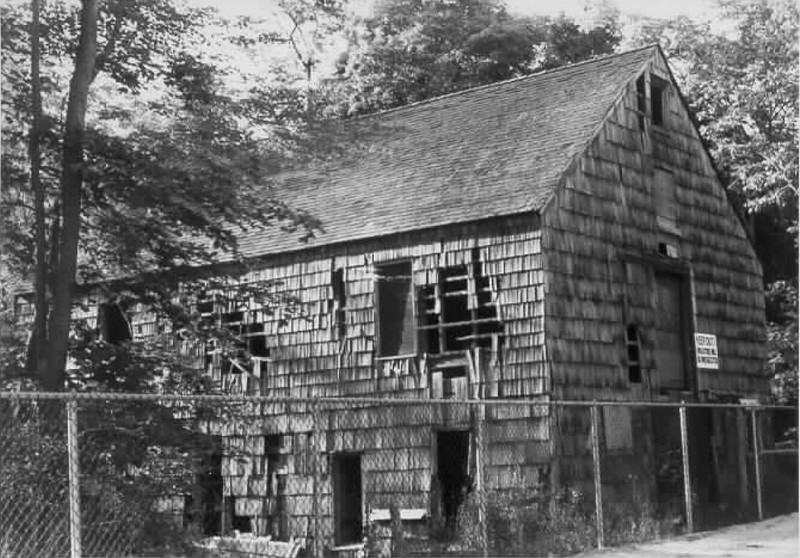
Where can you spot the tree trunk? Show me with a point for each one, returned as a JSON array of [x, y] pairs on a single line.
[[71, 188], [36, 349]]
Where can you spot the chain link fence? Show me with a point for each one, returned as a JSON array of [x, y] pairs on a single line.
[[147, 475]]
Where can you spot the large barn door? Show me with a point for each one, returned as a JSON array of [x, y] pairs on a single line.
[[671, 323]]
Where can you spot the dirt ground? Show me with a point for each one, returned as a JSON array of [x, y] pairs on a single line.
[[773, 538]]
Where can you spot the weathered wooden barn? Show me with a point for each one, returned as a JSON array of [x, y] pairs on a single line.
[[560, 236]]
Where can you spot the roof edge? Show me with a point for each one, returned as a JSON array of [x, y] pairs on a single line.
[[499, 83], [599, 127]]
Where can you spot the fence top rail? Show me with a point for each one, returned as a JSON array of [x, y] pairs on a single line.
[[324, 401]]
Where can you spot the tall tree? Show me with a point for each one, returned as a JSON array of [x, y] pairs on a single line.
[[66, 251], [127, 183]]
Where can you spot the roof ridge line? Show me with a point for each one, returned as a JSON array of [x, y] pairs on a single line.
[[500, 83]]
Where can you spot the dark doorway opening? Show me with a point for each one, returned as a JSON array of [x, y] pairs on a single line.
[[669, 478], [347, 498], [206, 501], [277, 522], [452, 458]]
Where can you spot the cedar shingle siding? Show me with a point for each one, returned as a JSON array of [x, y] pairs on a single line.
[[542, 190]]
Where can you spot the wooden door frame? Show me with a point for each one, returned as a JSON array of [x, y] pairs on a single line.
[[656, 263], [683, 272]]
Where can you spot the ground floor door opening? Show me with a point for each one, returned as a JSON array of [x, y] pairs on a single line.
[[203, 507], [668, 465], [347, 498], [452, 473], [672, 329]]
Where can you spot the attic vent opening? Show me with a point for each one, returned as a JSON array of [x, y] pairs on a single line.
[[458, 312]]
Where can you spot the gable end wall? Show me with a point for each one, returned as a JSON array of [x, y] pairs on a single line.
[[603, 215]]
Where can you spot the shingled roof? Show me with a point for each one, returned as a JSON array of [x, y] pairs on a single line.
[[489, 151]]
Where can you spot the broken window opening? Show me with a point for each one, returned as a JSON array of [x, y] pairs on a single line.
[[452, 473], [249, 341], [114, 326], [634, 349], [394, 309], [459, 312], [347, 498]]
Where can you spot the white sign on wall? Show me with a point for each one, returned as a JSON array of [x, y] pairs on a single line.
[[705, 348]]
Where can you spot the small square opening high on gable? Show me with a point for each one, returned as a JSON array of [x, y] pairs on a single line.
[[658, 100]]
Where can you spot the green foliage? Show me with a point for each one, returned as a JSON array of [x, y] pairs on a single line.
[[174, 166], [742, 87], [528, 521], [410, 50], [123, 477], [782, 342]]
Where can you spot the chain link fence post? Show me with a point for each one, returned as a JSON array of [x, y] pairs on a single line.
[[598, 486], [687, 479], [317, 464], [483, 519], [74, 479], [757, 463]]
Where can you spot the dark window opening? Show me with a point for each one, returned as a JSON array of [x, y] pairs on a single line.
[[255, 340], [634, 349], [454, 382], [276, 520], [241, 523], [337, 283], [339, 302], [233, 317], [114, 326], [23, 307], [347, 498], [459, 312], [394, 309], [668, 250], [452, 473], [641, 101], [272, 443], [205, 306], [658, 90], [248, 340]]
